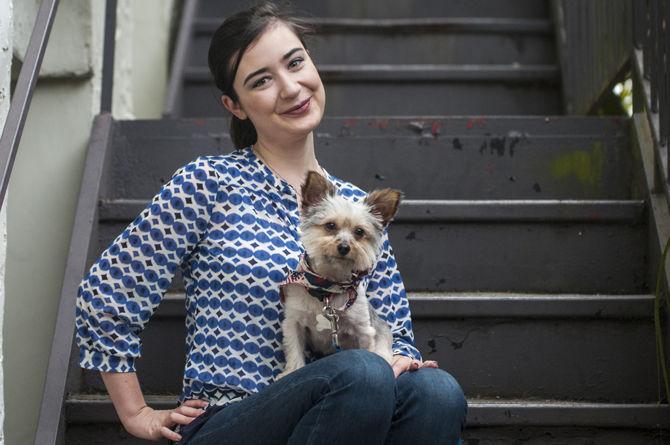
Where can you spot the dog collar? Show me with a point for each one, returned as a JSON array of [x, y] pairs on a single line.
[[320, 287]]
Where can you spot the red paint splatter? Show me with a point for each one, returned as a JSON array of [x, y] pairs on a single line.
[[199, 122], [489, 167], [382, 124], [350, 122], [435, 128], [475, 121]]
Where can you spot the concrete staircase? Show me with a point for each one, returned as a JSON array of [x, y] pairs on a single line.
[[523, 241]]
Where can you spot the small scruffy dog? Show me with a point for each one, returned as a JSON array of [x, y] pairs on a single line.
[[342, 241]]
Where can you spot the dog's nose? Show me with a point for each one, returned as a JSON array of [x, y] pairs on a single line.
[[343, 249]]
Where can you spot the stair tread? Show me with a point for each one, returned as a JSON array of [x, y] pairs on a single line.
[[443, 305], [502, 210], [533, 125], [86, 408], [413, 72], [445, 24]]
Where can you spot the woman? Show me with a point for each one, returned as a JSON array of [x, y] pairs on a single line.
[[231, 224]]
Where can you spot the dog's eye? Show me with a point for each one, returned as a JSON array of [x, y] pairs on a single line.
[[359, 232], [330, 225]]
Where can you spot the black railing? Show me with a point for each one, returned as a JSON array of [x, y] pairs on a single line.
[[173, 103], [593, 39], [23, 92], [51, 423], [652, 38], [651, 104]]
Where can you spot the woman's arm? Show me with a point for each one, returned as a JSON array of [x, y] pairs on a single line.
[[124, 389], [139, 419], [124, 287]]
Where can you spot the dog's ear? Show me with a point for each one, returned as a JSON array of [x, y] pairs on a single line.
[[315, 189], [384, 203]]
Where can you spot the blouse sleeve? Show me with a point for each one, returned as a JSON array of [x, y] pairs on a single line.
[[386, 293], [123, 288]]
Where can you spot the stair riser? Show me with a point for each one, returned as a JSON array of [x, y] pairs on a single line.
[[565, 257], [584, 359], [394, 8], [358, 98], [103, 434], [442, 47], [547, 435], [113, 434], [511, 165]]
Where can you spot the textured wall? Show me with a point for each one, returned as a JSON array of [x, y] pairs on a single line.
[[5, 78]]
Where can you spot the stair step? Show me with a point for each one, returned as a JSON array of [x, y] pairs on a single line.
[[454, 305], [512, 25], [499, 421], [81, 408], [411, 90], [435, 210], [495, 344], [394, 8], [415, 41], [556, 246], [406, 73], [476, 157]]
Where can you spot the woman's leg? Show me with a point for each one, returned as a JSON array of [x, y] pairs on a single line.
[[430, 408], [347, 397]]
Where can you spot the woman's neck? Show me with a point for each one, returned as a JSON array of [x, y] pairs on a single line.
[[290, 160]]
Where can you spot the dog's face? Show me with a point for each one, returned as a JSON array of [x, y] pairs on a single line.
[[341, 236]]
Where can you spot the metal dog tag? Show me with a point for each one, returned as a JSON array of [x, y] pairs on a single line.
[[322, 323]]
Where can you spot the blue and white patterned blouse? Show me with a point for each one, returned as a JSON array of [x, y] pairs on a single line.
[[231, 225]]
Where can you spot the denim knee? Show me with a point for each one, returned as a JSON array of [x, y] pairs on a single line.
[[369, 372], [439, 392], [360, 364]]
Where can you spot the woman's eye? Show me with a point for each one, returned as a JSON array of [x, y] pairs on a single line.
[[258, 82], [359, 231], [330, 225], [297, 59]]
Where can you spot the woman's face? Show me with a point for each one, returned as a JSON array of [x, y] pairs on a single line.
[[275, 75]]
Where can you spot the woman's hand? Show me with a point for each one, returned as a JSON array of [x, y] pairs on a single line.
[[152, 424], [402, 363]]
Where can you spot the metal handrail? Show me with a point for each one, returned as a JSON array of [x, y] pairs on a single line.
[[651, 37], [175, 87], [51, 422], [651, 69], [23, 92], [593, 42]]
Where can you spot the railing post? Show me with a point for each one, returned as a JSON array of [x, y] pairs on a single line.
[[23, 92], [108, 57]]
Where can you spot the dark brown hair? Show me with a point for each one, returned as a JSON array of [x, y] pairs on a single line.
[[229, 43]]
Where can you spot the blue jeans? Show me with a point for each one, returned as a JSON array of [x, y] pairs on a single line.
[[348, 397]]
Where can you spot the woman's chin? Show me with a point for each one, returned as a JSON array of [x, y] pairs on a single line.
[[303, 126]]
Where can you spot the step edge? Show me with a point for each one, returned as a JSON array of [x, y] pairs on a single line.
[[481, 412], [442, 305], [409, 73], [422, 210], [498, 25]]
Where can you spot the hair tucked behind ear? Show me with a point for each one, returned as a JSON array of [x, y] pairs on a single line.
[[229, 43]]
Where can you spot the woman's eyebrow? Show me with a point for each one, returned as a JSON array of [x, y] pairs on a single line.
[[262, 70]]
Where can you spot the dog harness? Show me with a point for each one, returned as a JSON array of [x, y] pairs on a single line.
[[324, 290]]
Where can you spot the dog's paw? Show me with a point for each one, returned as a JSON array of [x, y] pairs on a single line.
[[282, 375]]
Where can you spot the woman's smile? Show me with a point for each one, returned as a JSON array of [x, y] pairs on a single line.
[[299, 109]]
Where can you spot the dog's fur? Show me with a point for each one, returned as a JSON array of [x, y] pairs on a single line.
[[329, 221]]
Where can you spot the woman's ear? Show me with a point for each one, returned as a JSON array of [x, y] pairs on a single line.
[[233, 107]]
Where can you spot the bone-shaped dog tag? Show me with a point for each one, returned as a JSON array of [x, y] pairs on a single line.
[[322, 323]]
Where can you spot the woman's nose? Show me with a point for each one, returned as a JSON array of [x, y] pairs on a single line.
[[289, 87]]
